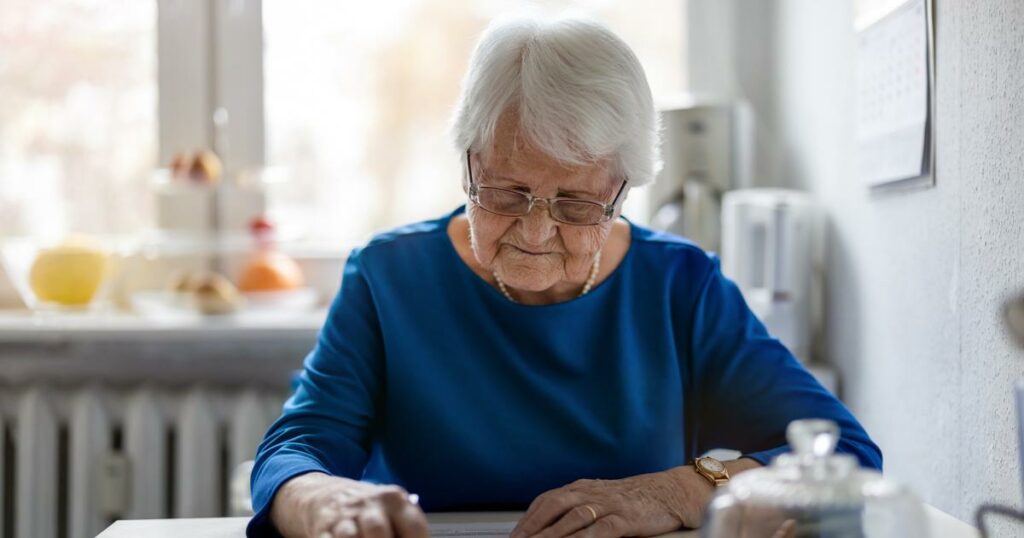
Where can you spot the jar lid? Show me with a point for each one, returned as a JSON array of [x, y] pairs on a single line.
[[813, 476]]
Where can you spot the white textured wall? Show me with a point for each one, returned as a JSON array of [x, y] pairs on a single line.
[[915, 279]]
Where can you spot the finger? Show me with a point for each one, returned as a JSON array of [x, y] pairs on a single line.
[[575, 519], [530, 510], [323, 521], [546, 511], [607, 527], [786, 530], [373, 523], [407, 519], [410, 522], [346, 528], [393, 498]]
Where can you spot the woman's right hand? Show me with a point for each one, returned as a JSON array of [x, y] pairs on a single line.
[[316, 505]]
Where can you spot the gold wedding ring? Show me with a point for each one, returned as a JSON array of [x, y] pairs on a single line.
[[592, 512]]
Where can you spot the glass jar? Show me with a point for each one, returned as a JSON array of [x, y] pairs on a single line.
[[814, 493]]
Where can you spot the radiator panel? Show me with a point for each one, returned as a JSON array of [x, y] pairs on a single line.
[[145, 439], [214, 430], [35, 475], [90, 428]]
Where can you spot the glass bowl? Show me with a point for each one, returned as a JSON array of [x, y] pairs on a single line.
[[69, 275]]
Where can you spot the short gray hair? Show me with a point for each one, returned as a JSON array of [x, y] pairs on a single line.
[[580, 92]]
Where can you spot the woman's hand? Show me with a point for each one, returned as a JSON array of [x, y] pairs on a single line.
[[316, 505], [642, 505]]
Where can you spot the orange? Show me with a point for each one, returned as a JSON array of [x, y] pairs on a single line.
[[271, 271]]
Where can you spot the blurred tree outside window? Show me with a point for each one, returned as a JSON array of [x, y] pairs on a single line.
[[78, 113]]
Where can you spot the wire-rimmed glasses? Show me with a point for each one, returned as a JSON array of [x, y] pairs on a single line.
[[512, 203]]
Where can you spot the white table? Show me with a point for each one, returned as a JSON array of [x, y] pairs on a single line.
[[943, 526]]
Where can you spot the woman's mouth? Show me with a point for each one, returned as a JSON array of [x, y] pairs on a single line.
[[531, 252]]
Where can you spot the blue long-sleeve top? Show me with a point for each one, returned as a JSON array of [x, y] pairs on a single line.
[[426, 376]]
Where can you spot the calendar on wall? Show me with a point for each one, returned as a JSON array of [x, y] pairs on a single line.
[[895, 143]]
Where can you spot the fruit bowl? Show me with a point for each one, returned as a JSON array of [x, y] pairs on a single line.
[[70, 275]]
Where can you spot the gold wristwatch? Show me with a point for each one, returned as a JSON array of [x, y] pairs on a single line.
[[713, 470]]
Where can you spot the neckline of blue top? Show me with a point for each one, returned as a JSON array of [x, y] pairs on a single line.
[[495, 296]]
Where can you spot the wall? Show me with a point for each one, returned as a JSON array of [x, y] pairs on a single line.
[[915, 278]]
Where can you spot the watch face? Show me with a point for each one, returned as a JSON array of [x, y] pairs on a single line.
[[711, 465]]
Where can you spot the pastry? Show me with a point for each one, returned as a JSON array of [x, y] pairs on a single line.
[[216, 295]]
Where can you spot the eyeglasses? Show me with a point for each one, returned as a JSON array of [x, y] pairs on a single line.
[[510, 203]]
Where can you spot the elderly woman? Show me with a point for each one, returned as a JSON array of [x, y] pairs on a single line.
[[533, 350]]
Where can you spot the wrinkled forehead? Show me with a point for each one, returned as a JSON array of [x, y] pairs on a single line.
[[512, 157]]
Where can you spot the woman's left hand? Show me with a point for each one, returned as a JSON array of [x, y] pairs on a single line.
[[642, 505]]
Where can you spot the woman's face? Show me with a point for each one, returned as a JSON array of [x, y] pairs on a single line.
[[535, 252]]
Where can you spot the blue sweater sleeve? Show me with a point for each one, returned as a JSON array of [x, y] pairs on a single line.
[[749, 386], [326, 425]]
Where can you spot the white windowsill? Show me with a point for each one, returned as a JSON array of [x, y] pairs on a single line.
[[22, 326]]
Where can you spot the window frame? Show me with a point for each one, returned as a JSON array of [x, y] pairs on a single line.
[[210, 61], [211, 56]]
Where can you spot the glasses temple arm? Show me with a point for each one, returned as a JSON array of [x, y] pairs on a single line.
[[611, 206]]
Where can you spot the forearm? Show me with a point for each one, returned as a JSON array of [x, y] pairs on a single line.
[[688, 492]]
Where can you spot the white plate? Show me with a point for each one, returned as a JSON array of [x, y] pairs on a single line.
[[297, 300], [164, 305]]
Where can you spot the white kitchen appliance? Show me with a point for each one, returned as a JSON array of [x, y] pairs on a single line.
[[766, 251], [706, 152]]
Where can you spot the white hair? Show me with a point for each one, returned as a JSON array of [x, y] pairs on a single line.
[[580, 92]]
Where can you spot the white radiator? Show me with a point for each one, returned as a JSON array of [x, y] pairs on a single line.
[[74, 459]]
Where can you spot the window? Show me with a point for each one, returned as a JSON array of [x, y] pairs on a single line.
[[358, 97], [356, 102], [78, 106]]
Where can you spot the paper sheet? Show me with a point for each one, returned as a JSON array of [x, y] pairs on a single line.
[[893, 139], [472, 530]]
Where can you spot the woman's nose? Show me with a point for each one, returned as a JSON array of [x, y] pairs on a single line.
[[538, 226]]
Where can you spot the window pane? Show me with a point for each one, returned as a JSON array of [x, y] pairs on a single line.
[[77, 115], [358, 97]]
